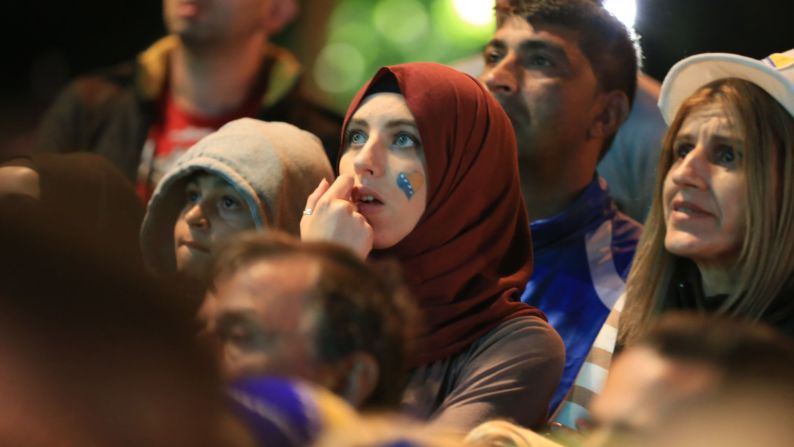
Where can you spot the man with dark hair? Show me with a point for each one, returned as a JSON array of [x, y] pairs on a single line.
[[216, 65], [311, 311], [565, 72], [687, 358]]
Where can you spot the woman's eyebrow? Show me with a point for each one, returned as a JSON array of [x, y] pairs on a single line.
[[359, 123], [684, 136], [401, 122], [726, 138]]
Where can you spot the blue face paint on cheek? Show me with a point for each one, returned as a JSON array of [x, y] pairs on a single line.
[[405, 185]]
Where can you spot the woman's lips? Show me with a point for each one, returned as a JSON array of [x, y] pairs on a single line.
[[689, 209], [367, 201]]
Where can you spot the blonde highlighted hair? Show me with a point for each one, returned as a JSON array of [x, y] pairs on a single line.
[[765, 265]]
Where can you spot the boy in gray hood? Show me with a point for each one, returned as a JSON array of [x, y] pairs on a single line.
[[249, 174]]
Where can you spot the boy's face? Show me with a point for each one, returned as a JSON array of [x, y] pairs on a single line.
[[212, 210]]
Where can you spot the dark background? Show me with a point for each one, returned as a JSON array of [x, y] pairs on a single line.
[[46, 43]]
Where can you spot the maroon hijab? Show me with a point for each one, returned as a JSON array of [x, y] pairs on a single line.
[[470, 256]]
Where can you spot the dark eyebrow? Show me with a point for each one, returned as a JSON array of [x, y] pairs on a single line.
[[532, 45], [498, 44]]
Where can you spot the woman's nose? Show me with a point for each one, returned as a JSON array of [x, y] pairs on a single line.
[[369, 160], [692, 170]]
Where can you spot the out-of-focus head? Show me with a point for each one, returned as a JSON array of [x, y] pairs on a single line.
[[79, 203], [561, 65], [725, 187], [247, 174], [311, 311], [685, 358], [218, 23], [94, 353], [750, 415]]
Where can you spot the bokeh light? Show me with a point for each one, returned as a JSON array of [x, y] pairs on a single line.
[[363, 35], [339, 68], [624, 10], [402, 22], [455, 30], [475, 12]]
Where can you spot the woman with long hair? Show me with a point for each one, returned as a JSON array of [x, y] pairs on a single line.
[[720, 234]]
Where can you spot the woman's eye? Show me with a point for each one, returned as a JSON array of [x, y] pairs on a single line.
[[357, 138], [725, 155], [404, 141], [682, 149]]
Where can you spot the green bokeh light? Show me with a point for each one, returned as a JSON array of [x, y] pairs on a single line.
[[451, 25], [402, 22], [339, 68], [363, 35]]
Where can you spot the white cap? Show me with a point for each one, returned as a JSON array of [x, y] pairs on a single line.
[[774, 74]]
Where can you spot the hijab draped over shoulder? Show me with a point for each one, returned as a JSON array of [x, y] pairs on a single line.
[[470, 256]]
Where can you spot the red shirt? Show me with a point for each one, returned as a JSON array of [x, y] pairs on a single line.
[[171, 135]]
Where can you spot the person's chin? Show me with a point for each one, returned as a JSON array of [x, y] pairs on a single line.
[[194, 263], [516, 110], [683, 244], [382, 240]]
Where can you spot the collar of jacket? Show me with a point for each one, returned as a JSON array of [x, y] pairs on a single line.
[[589, 210], [152, 70]]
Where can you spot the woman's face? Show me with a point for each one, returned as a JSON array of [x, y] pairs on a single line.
[[704, 190], [212, 210], [383, 152]]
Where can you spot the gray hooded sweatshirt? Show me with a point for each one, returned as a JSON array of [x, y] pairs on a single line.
[[273, 165]]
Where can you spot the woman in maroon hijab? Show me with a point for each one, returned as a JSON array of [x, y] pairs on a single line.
[[428, 175]]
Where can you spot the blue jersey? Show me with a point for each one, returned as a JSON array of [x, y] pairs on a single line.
[[581, 259]]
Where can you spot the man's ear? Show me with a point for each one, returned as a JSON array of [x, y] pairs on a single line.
[[613, 110], [282, 12], [360, 379]]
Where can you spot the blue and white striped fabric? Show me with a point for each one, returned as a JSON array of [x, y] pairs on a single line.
[[582, 257]]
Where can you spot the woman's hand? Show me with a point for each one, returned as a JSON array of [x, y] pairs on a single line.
[[333, 217]]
